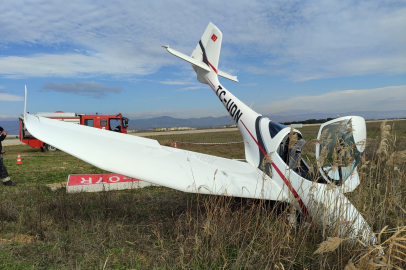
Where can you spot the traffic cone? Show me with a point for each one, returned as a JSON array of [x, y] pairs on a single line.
[[175, 145], [19, 159]]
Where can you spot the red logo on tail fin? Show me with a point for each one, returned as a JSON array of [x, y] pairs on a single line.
[[214, 37]]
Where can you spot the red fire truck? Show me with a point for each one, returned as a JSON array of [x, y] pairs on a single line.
[[116, 123]]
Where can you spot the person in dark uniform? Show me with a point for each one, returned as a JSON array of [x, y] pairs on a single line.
[[5, 178]]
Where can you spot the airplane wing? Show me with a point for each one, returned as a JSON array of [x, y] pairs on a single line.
[[147, 160]]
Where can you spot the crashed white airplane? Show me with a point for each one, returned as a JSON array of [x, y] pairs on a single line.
[[273, 171]]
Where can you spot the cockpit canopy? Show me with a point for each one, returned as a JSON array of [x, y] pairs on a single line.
[[341, 145]]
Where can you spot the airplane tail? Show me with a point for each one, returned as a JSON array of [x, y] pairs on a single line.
[[205, 57], [205, 61]]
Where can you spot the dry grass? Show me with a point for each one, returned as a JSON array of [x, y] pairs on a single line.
[[329, 245], [159, 228]]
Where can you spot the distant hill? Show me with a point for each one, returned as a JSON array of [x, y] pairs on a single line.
[[167, 121], [206, 122], [12, 127], [368, 115]]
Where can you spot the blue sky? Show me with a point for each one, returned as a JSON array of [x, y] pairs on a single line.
[[289, 56]]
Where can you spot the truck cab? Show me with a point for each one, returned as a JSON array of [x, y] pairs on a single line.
[[115, 123]]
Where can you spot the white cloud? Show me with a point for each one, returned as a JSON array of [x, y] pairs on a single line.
[[9, 117], [190, 88], [90, 89], [194, 87], [72, 65], [190, 113], [378, 99], [250, 84], [299, 39], [176, 82], [8, 97]]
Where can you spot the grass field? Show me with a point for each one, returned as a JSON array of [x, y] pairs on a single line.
[[160, 228]]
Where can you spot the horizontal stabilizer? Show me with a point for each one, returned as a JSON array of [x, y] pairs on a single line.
[[188, 58], [227, 76], [200, 64]]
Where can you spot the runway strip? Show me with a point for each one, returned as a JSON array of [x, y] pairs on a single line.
[[11, 142], [193, 131]]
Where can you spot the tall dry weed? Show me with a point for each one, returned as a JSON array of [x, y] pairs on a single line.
[[166, 142], [385, 134], [329, 245]]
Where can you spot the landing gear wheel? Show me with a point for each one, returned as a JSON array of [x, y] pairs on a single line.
[[50, 147]]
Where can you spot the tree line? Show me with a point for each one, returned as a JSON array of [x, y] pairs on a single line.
[[308, 121]]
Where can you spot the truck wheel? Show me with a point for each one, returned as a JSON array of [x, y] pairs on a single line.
[[50, 148]]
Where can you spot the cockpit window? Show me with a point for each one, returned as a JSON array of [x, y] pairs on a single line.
[[115, 124], [275, 127], [337, 155], [338, 151]]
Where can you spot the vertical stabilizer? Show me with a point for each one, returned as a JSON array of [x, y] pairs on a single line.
[[209, 46]]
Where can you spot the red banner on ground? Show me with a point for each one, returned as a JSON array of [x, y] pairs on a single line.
[[95, 179]]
